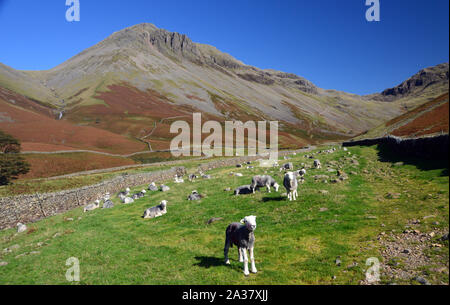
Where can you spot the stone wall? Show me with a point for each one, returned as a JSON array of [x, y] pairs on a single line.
[[30, 208], [426, 147]]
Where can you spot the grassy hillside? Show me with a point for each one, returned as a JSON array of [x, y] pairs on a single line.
[[428, 119], [296, 242]]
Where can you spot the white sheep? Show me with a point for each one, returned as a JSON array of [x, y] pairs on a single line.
[[291, 185]]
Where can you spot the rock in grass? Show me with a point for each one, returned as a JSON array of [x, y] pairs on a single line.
[[128, 200], [393, 195], [212, 220], [21, 227], [352, 265], [164, 188], [422, 281]]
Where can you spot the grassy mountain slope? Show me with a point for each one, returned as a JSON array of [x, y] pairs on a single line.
[[428, 119]]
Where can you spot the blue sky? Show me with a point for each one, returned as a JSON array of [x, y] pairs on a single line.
[[326, 41]]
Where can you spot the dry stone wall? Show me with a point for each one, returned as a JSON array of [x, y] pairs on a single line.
[[426, 147]]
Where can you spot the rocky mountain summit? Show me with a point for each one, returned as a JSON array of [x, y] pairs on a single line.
[[431, 78]]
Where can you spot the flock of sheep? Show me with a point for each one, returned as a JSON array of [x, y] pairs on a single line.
[[239, 234]]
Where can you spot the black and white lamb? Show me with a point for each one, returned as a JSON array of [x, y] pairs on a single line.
[[242, 235]]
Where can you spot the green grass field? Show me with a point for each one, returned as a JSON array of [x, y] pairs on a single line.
[[296, 242]]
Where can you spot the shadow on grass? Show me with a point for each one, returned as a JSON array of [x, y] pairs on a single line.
[[209, 261], [280, 198], [386, 154]]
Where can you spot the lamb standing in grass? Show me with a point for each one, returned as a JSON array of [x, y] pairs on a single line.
[[291, 185], [243, 237], [156, 211], [92, 206], [264, 181]]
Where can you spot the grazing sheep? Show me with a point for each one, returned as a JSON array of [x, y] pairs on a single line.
[[301, 180], [21, 227], [135, 197], [243, 190], [238, 165], [242, 235], [238, 175], [108, 204], [92, 206], [290, 183], [192, 177], [152, 187], [164, 188], [206, 176], [264, 181], [317, 164], [195, 196], [156, 211]]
